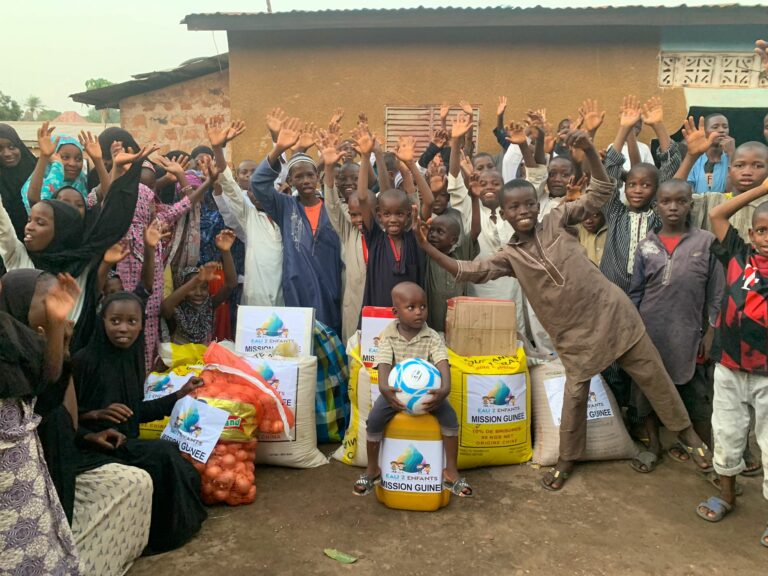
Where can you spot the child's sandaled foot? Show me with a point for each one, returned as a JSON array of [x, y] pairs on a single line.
[[678, 452], [364, 485], [753, 466], [713, 478], [554, 480], [764, 538], [645, 462], [701, 455], [714, 509], [460, 487]]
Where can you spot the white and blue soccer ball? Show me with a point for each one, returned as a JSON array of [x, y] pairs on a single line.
[[413, 379]]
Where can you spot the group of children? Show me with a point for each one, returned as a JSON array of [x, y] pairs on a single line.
[[655, 277]]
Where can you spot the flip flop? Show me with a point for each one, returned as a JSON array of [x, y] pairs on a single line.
[[764, 538], [556, 475], [701, 452], [676, 453], [714, 480], [753, 468], [714, 504], [645, 462], [366, 483], [460, 488]]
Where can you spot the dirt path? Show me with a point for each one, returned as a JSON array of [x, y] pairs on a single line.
[[609, 520]]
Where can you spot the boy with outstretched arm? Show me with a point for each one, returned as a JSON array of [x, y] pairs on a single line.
[[408, 336], [741, 374], [590, 320]]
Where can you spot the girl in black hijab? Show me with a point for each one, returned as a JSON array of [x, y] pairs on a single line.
[[16, 165], [109, 380]]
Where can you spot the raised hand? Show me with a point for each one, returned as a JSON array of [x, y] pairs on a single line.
[[326, 144], [275, 119], [475, 186], [440, 138], [337, 115], [696, 137], [405, 149], [209, 169], [207, 271], [116, 253], [154, 233], [516, 134], [235, 129], [46, 146], [173, 166], [466, 165], [574, 188], [307, 136], [362, 120], [502, 106], [466, 107], [653, 111], [593, 117], [461, 125], [91, 145], [60, 299], [630, 111], [761, 49], [289, 134], [122, 158], [364, 139], [579, 140], [549, 138], [419, 227], [225, 239], [217, 131], [535, 119], [445, 109]]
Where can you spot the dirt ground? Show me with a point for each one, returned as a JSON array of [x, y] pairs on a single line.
[[608, 520]]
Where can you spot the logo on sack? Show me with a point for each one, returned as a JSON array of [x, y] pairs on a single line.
[[266, 372], [162, 385], [500, 395], [411, 461], [188, 422], [273, 326]]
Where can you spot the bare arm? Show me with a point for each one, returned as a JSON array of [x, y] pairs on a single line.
[[180, 294], [719, 215], [224, 241]]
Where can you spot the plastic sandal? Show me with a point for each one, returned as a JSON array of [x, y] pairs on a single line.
[[645, 462], [675, 451], [703, 453], [459, 488], [555, 476], [764, 538], [714, 504], [364, 485]]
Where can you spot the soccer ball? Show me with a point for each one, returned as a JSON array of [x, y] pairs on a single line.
[[413, 379]]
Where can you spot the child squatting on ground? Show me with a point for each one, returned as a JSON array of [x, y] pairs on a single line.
[[409, 337], [590, 320], [741, 375]]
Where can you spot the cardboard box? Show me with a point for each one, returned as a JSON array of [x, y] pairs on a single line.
[[481, 327], [375, 319], [267, 331]]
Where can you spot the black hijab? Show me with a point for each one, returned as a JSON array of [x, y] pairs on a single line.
[[12, 179], [115, 134], [22, 350], [73, 247], [105, 374]]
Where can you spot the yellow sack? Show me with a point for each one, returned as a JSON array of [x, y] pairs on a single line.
[[362, 381], [185, 361], [491, 397]]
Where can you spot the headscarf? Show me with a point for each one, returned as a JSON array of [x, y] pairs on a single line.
[[54, 177], [73, 248], [195, 322], [22, 350], [201, 150], [105, 373], [12, 180], [115, 134]]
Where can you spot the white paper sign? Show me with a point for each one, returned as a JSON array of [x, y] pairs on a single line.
[[370, 328], [283, 376], [195, 427], [598, 405], [272, 331], [412, 466], [496, 399], [160, 385]]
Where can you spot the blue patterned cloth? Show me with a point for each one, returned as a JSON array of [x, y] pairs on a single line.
[[332, 406]]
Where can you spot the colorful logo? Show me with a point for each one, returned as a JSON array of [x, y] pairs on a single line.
[[273, 327], [500, 395], [162, 385], [266, 372], [187, 422], [592, 396], [411, 461]]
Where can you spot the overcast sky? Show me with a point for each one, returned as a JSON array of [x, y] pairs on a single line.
[[53, 46]]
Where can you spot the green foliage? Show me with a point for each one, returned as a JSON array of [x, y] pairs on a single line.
[[33, 105], [9, 108], [96, 83], [47, 115]]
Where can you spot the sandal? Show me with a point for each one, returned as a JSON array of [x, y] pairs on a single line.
[[713, 478], [645, 462], [716, 505], [764, 538], [699, 454], [460, 487], [679, 453], [365, 484], [558, 480], [753, 468]]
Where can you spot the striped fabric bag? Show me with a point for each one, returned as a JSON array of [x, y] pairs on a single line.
[[331, 400]]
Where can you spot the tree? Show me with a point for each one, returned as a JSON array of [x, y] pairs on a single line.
[[9, 108], [48, 115], [33, 104], [95, 84], [105, 116]]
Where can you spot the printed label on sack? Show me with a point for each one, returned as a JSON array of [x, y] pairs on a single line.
[[408, 466], [263, 331], [495, 410], [373, 323], [598, 405], [282, 376], [195, 427]]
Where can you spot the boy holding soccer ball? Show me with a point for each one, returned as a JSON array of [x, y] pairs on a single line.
[[408, 336]]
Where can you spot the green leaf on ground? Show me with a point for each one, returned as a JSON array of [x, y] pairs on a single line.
[[340, 556]]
